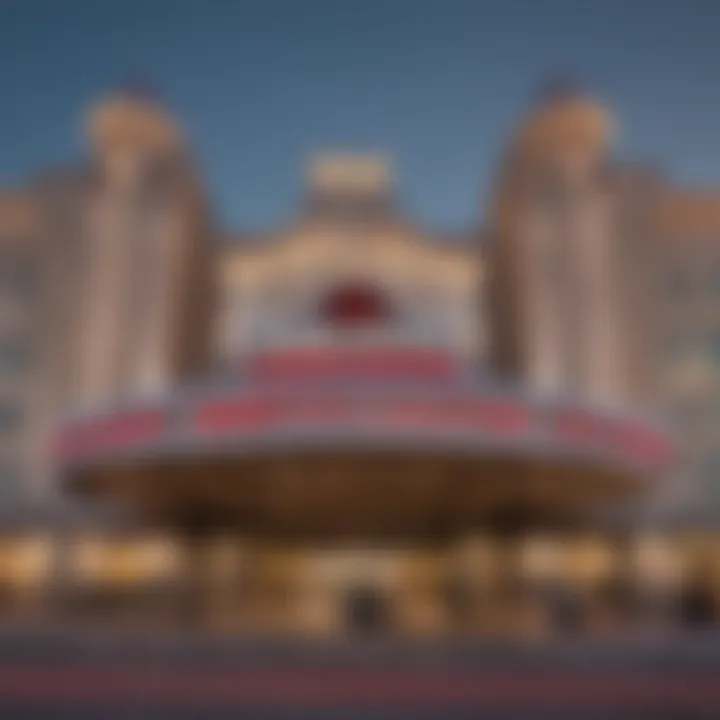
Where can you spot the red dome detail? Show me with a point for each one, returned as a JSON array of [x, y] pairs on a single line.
[[355, 305]]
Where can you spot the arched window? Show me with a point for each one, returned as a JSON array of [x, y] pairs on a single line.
[[356, 305]]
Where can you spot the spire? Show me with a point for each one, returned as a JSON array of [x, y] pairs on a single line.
[[564, 114], [560, 87], [138, 86]]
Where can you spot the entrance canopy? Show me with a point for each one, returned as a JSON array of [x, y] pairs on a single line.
[[396, 441]]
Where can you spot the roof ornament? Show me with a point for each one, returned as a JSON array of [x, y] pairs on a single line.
[[560, 87], [138, 86]]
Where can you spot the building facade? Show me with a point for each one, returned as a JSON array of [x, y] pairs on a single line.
[[683, 337], [148, 257], [562, 293], [20, 310], [552, 254], [351, 270]]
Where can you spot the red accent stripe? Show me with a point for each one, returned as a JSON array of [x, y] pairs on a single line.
[[498, 417], [629, 439], [374, 363], [492, 416], [646, 445], [230, 416], [365, 688], [252, 414], [114, 433]]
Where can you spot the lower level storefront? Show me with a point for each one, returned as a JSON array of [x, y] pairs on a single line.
[[485, 585]]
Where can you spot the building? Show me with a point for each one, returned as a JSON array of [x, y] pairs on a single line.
[[352, 422], [553, 255], [147, 232], [685, 339], [20, 307], [352, 445]]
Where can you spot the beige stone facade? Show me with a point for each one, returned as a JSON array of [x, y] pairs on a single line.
[[147, 287], [553, 259], [349, 232], [586, 278]]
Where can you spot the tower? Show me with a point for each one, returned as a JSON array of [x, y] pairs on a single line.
[[147, 291], [553, 312]]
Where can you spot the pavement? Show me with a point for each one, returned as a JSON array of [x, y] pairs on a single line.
[[80, 674]]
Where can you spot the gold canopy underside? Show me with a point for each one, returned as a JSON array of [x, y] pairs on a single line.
[[364, 495]]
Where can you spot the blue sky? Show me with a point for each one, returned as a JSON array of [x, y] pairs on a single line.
[[261, 84]]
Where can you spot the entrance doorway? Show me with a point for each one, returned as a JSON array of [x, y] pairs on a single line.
[[367, 610]]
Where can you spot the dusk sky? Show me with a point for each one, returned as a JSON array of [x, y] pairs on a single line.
[[438, 84]]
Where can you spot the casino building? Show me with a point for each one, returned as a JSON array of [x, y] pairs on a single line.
[[388, 418], [354, 425]]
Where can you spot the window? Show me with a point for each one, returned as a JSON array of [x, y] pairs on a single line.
[[713, 347], [158, 184], [679, 347], [10, 417], [17, 277], [678, 283], [709, 467], [689, 415], [356, 305], [15, 355], [11, 479]]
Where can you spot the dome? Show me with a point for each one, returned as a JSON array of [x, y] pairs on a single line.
[[128, 120], [567, 119]]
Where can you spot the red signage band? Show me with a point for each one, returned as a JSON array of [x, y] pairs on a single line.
[[576, 428], [372, 364], [496, 417], [502, 417], [114, 433], [583, 428]]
